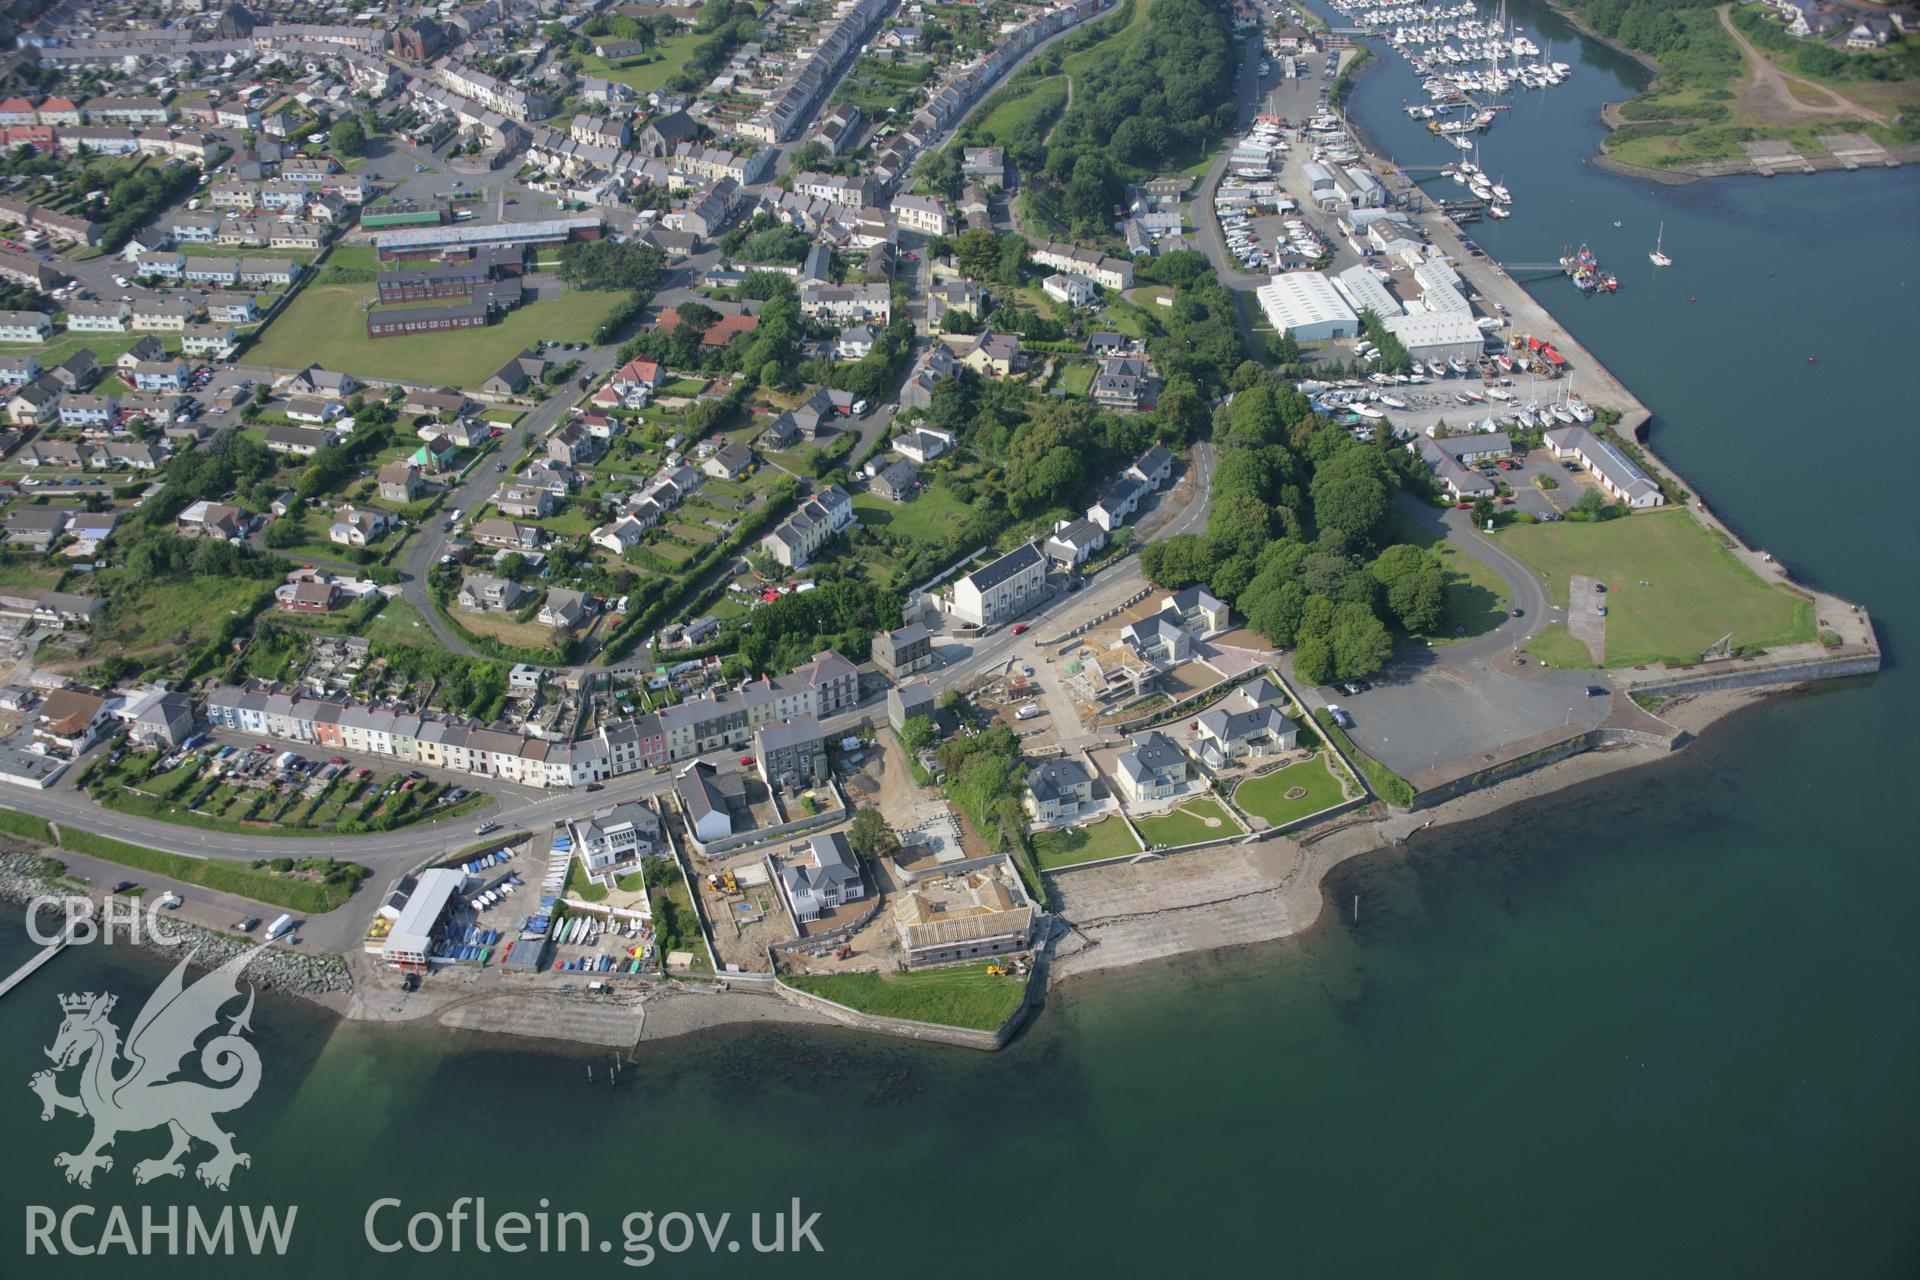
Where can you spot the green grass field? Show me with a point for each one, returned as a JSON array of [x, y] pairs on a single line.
[[325, 325], [641, 76], [1556, 647], [1476, 598], [1014, 114], [962, 996], [1673, 589], [183, 611], [315, 890], [106, 347], [1106, 837], [1190, 822], [1267, 797], [927, 518]]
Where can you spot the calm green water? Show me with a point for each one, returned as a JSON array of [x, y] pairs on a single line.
[[1664, 1025]]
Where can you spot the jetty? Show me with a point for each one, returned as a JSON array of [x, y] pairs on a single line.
[[38, 960]]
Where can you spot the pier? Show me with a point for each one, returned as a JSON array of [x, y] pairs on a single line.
[[38, 960]]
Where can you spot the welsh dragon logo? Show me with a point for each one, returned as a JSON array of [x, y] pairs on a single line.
[[146, 1095]]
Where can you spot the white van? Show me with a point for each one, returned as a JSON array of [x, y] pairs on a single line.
[[280, 928]]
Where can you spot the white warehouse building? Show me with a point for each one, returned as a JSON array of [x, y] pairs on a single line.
[[1364, 292], [1431, 335], [1305, 305]]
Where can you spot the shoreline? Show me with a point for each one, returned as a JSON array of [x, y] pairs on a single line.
[[1239, 897], [1699, 170]]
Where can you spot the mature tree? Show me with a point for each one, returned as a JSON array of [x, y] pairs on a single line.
[[1350, 494], [1361, 643], [871, 837], [1483, 510], [1177, 562], [1415, 584], [918, 733], [349, 138], [1313, 661]]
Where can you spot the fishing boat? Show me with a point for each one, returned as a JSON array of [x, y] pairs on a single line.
[[1498, 211], [1505, 362], [1659, 256]]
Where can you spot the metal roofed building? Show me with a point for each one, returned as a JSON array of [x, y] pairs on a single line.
[[467, 235], [1305, 306], [1364, 292], [411, 938], [1437, 336]]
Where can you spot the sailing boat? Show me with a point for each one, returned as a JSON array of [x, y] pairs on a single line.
[[1660, 259]]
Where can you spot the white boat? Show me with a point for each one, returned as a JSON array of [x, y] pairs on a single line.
[[1456, 364], [1498, 211], [1500, 393], [1659, 257], [1368, 411], [1578, 408], [1393, 402], [1563, 413]]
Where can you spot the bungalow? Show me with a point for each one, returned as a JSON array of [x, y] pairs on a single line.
[[300, 442], [729, 462], [216, 520], [314, 409], [70, 720], [496, 532], [715, 803], [36, 528], [133, 454], [565, 608], [62, 609], [923, 444], [516, 375]]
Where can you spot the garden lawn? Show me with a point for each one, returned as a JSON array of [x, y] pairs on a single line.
[[960, 996], [325, 325], [642, 76], [1188, 823], [1106, 837], [927, 518], [1267, 796], [1673, 590], [1476, 598]]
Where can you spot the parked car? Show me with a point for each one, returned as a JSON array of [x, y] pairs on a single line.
[[1596, 691], [1340, 717], [247, 924]]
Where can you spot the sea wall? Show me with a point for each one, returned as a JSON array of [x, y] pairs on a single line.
[[1591, 740], [23, 877], [906, 1028], [1760, 674]]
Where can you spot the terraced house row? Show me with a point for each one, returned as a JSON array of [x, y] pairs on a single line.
[[827, 684]]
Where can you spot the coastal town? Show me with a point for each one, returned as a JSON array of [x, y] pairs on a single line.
[[858, 509]]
